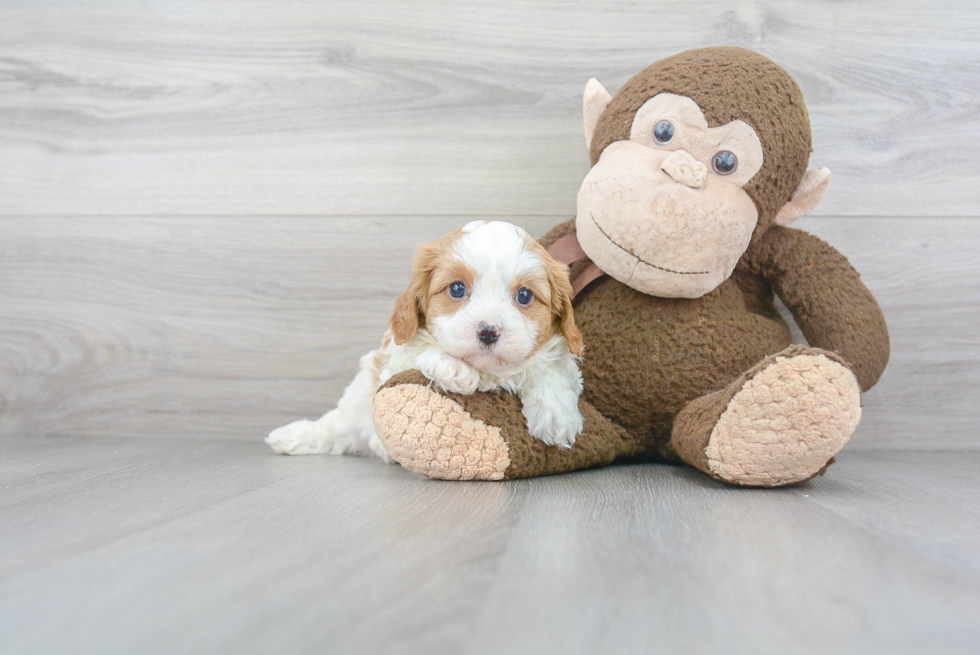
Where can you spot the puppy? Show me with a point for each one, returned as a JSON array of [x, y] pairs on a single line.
[[488, 308]]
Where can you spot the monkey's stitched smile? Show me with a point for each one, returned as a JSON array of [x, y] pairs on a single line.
[[643, 261]]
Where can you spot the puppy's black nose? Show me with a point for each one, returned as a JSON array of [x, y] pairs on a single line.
[[488, 334]]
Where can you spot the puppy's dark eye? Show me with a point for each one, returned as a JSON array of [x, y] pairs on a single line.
[[524, 296], [457, 289], [663, 132], [724, 162]]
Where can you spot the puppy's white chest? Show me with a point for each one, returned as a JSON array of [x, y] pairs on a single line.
[[508, 381]]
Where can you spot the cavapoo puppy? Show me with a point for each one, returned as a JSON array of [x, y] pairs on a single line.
[[488, 308]]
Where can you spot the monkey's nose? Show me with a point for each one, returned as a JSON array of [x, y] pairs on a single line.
[[488, 334], [684, 168]]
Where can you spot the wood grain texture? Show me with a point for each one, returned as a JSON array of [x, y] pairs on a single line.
[[436, 107], [142, 545], [228, 327]]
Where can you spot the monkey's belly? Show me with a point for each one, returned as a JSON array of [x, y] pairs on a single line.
[[647, 357]]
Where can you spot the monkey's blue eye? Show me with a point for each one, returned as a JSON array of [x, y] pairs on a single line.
[[524, 296], [663, 132], [724, 162], [457, 289]]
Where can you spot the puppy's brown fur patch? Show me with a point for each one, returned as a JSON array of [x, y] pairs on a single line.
[[448, 270], [559, 300], [412, 305]]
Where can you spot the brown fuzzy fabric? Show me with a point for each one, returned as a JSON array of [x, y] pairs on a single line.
[[646, 358], [728, 84], [557, 232], [561, 230], [694, 424], [824, 292], [600, 443]]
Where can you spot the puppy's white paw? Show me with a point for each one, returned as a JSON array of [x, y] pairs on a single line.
[[464, 379], [449, 374], [556, 423], [378, 448], [299, 438]]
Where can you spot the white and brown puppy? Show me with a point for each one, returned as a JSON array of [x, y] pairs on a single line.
[[488, 308]]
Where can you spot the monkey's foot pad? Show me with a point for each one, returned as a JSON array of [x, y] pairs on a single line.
[[431, 434], [785, 423]]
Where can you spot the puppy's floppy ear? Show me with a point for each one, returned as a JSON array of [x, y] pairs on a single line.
[[561, 303], [409, 314], [405, 319]]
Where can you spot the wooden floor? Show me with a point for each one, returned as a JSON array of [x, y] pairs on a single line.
[[180, 546]]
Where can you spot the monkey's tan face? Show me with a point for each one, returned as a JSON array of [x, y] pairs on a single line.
[[664, 211]]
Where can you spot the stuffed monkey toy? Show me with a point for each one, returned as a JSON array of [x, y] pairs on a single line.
[[680, 242]]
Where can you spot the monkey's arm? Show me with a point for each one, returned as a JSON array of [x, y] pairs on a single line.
[[824, 292]]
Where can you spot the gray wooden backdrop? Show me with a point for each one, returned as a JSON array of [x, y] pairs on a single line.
[[207, 208]]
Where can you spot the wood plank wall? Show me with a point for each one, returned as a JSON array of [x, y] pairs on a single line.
[[207, 208]]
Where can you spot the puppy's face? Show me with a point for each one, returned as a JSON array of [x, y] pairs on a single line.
[[489, 294]]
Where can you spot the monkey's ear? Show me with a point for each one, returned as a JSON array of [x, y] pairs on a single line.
[[806, 196], [594, 102]]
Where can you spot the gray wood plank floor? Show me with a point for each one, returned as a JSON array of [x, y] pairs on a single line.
[[163, 546]]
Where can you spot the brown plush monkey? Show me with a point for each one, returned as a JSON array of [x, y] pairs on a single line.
[[699, 163]]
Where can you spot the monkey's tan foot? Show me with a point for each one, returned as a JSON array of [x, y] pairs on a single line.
[[482, 436], [781, 422]]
